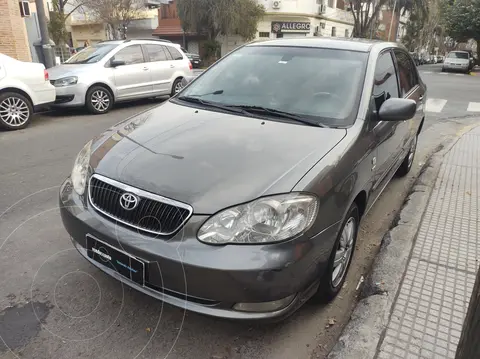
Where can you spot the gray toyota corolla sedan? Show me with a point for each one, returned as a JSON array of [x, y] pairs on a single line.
[[241, 197]]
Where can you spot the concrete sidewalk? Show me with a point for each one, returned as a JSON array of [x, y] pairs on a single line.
[[422, 315]]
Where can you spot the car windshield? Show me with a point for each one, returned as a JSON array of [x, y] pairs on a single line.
[[91, 54], [322, 85], [458, 55]]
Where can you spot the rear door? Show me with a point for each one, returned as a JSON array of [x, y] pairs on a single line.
[[133, 79], [160, 68], [179, 64]]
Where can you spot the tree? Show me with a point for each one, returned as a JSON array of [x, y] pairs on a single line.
[[220, 17], [365, 16], [58, 18], [462, 20], [116, 14]]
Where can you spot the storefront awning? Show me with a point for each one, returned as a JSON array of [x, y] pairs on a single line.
[[170, 30]]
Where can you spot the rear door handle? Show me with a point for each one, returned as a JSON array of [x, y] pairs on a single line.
[[145, 68], [420, 98], [172, 66]]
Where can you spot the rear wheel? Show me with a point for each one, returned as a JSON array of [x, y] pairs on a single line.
[[99, 100], [340, 258], [15, 111], [177, 86]]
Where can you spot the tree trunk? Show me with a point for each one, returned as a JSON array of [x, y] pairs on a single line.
[[469, 345]]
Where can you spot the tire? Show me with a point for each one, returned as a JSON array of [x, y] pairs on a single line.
[[176, 87], [16, 111], [407, 163], [99, 100], [330, 286]]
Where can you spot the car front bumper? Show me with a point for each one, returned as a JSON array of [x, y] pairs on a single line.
[[456, 67], [70, 96], [203, 278]]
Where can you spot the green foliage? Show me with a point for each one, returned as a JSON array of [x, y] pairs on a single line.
[[413, 28], [56, 24], [221, 17], [462, 20]]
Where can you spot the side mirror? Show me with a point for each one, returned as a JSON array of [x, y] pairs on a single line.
[[186, 80], [397, 109], [116, 63]]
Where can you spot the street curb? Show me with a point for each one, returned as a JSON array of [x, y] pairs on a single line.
[[362, 336]]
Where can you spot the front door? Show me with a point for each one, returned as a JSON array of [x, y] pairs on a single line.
[[410, 88], [133, 79], [388, 134]]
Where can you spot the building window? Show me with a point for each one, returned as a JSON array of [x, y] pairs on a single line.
[[341, 4], [331, 3], [346, 33], [334, 31], [264, 34], [279, 36]]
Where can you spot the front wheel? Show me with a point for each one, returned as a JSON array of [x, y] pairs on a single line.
[[99, 100], [407, 163], [340, 258], [15, 111]]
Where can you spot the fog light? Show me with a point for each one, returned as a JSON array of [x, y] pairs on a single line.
[[264, 306]]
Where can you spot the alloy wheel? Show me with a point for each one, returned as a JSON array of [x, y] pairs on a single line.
[[100, 100], [343, 252], [178, 87], [14, 111]]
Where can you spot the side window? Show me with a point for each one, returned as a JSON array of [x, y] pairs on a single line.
[[175, 53], [167, 53], [131, 55], [385, 82], [156, 53], [407, 73]]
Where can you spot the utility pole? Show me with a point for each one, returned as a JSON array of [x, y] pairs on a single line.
[[46, 46]]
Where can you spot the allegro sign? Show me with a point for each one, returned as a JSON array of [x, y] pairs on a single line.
[[280, 26]]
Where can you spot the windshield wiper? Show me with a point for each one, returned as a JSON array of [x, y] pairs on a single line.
[[278, 113], [193, 99]]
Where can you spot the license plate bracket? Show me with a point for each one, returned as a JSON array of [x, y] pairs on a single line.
[[120, 261]]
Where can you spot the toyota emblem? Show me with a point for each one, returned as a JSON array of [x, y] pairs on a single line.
[[129, 201]]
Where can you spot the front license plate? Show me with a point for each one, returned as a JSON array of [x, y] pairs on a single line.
[[120, 261]]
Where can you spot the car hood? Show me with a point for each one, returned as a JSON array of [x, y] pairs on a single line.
[[207, 159], [60, 71]]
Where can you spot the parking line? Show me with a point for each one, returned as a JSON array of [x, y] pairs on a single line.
[[426, 72], [459, 74], [473, 107], [442, 73], [435, 105]]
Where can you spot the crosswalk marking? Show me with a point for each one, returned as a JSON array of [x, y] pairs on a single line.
[[473, 107], [435, 105], [459, 74], [442, 73], [427, 72]]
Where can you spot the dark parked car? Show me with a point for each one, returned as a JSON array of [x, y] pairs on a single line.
[[194, 58], [241, 196]]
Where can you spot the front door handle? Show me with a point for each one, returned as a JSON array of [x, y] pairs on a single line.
[[145, 68], [172, 66], [420, 98]]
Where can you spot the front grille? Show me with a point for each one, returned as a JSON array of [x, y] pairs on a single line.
[[153, 214]]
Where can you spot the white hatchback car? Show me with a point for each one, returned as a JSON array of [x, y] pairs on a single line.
[[121, 70], [24, 89]]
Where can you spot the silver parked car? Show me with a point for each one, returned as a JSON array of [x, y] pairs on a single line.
[[457, 61], [114, 71]]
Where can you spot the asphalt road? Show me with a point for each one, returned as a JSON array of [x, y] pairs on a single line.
[[53, 304]]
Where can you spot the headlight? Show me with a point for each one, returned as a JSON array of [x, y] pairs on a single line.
[[66, 81], [80, 168], [265, 220]]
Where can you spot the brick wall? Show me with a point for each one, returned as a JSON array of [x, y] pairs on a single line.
[[13, 34]]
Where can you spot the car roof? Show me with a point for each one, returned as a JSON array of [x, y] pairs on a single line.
[[152, 40], [360, 45]]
